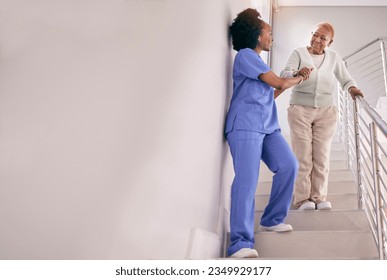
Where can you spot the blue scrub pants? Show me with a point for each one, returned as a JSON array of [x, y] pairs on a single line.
[[248, 148]]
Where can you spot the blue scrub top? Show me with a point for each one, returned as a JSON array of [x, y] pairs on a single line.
[[252, 105]]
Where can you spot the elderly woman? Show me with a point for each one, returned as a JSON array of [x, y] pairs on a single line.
[[253, 134], [312, 115]]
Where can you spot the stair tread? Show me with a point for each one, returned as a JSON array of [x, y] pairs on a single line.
[[266, 175], [333, 220], [317, 245], [315, 232], [343, 187], [339, 201]]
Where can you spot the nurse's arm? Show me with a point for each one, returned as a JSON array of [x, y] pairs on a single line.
[[277, 92], [279, 83]]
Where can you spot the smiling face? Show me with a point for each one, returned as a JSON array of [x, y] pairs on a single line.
[[321, 38], [265, 39]]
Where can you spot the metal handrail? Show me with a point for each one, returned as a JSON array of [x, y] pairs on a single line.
[[364, 132], [365, 47], [374, 115], [368, 66], [370, 178]]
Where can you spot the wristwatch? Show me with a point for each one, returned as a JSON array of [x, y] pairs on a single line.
[[295, 73]]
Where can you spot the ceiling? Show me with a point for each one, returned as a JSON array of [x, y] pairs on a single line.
[[331, 2]]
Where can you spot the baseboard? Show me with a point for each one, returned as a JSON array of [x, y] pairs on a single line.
[[203, 245]]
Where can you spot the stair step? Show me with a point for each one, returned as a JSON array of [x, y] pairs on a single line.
[[266, 175], [338, 164], [339, 201], [334, 220], [337, 146], [338, 155], [340, 175], [316, 245], [333, 187]]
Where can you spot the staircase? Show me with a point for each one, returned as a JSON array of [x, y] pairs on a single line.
[[341, 233]]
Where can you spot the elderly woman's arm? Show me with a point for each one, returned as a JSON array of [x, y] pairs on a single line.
[[291, 66], [345, 79]]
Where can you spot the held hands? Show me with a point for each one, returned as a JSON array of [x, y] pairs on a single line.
[[353, 91], [304, 73]]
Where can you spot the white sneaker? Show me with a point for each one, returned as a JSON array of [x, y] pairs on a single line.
[[325, 205], [245, 253], [309, 205], [276, 228]]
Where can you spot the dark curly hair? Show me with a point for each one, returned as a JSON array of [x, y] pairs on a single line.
[[245, 29]]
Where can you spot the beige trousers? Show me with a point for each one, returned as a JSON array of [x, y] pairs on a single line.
[[311, 132]]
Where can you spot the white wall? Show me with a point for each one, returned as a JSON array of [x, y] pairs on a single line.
[[354, 27], [111, 127]]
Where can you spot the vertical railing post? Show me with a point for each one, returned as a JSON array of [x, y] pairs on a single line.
[[347, 135], [357, 149], [378, 199], [384, 59], [346, 124], [346, 131]]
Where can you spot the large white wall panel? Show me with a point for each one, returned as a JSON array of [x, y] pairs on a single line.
[[111, 126]]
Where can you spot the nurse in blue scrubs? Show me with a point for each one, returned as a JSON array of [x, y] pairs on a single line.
[[253, 134]]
